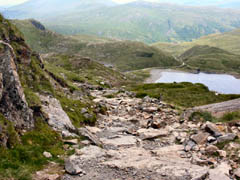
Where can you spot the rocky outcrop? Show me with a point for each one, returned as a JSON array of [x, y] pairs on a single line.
[[56, 116], [13, 104], [217, 109]]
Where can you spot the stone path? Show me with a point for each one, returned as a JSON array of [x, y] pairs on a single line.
[[139, 139]]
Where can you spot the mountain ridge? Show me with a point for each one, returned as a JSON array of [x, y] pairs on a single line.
[[146, 22]]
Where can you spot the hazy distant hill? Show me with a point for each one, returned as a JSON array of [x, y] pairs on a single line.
[[47, 8], [141, 21], [229, 41], [217, 3]]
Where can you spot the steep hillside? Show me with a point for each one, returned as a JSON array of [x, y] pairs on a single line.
[[141, 21], [211, 59], [124, 55], [42, 105], [229, 41]]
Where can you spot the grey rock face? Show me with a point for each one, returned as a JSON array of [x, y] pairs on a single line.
[[13, 104], [57, 118]]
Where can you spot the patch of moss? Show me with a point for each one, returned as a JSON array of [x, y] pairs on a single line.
[[228, 117], [73, 109], [31, 97], [8, 132], [202, 116], [20, 161], [34, 78]]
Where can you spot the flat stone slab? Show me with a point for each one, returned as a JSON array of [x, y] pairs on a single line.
[[119, 140], [165, 161], [150, 133]]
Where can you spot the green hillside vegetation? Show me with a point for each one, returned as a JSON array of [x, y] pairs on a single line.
[[229, 41], [211, 59], [124, 55], [74, 69], [184, 95]]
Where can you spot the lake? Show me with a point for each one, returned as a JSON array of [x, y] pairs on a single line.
[[221, 83]]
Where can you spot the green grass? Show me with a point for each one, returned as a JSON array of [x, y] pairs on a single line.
[[228, 118], [181, 94], [211, 59], [73, 110], [139, 76], [23, 159], [229, 41], [81, 70]]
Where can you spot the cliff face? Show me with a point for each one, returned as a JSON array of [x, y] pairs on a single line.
[[13, 104], [13, 53]]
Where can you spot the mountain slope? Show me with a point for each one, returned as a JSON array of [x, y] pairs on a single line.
[[148, 22], [211, 59], [229, 41], [216, 3], [43, 8], [141, 21], [125, 55]]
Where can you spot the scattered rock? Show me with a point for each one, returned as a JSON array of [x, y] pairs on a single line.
[[47, 154], [211, 149], [211, 139], [84, 110], [237, 173], [71, 141], [151, 133], [189, 146], [200, 138], [220, 172], [150, 109], [212, 129], [85, 132], [226, 137], [91, 152], [121, 140], [73, 165], [86, 142], [222, 153]]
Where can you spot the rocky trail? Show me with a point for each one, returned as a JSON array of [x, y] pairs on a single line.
[[146, 139]]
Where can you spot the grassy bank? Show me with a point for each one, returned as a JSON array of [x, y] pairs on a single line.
[[181, 94]]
